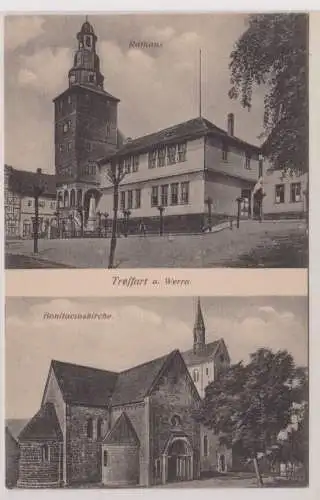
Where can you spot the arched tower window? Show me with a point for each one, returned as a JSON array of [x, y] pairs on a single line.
[[195, 375], [66, 199], [72, 198], [90, 428]]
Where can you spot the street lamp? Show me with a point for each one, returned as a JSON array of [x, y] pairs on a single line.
[[39, 187], [161, 210], [239, 201], [209, 202], [99, 223]]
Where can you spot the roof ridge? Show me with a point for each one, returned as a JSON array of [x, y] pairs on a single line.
[[164, 356], [53, 361]]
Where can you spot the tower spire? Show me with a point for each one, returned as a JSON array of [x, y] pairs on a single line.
[[199, 331]]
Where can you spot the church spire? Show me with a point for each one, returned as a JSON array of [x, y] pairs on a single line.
[[86, 65], [199, 331]]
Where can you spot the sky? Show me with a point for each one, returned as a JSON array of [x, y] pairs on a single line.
[[157, 87], [139, 329]]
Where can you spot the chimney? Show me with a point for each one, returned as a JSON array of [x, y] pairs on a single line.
[[231, 124]]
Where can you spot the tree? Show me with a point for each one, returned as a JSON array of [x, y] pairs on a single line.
[[115, 174], [273, 53], [248, 405]]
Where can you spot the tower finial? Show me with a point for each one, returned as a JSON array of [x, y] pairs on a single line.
[[200, 84], [199, 331], [86, 19]]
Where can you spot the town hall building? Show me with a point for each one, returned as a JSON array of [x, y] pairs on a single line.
[[189, 175], [134, 427]]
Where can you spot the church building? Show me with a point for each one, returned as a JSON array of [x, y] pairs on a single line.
[[205, 361], [134, 427], [187, 176]]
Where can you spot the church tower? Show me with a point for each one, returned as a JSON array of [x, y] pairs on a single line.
[[85, 124], [199, 332]]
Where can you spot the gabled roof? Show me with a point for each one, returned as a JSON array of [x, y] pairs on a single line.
[[136, 383], [83, 384], [191, 129], [190, 358], [43, 426], [15, 426], [22, 182], [122, 432]]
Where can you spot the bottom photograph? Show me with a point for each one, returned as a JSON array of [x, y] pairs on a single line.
[[176, 392]]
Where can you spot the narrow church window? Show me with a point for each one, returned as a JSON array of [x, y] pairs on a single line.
[[176, 420], [207, 371], [205, 446], [195, 375], [105, 458], [99, 428], [90, 428], [45, 453]]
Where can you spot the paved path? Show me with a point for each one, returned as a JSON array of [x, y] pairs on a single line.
[[254, 244]]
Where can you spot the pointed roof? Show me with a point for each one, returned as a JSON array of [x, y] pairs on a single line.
[[43, 426], [199, 321], [122, 432], [83, 384], [209, 352], [136, 383]]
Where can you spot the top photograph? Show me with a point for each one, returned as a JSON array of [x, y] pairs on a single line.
[[156, 140]]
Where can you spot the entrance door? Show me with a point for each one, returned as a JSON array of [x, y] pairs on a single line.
[[179, 462]]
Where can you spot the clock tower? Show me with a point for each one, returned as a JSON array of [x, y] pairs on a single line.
[[85, 123]]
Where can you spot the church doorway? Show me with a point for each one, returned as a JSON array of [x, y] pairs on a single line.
[[179, 461], [246, 203]]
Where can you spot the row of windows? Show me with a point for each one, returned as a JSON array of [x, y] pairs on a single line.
[[64, 171], [130, 164], [89, 169], [295, 192], [91, 423], [177, 196], [42, 204], [65, 147], [126, 199], [247, 161], [167, 155]]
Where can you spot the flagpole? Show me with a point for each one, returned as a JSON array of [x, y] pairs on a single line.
[[200, 96]]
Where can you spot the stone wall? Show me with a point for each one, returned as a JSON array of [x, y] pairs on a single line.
[[122, 465], [173, 396], [137, 413], [83, 452], [34, 471]]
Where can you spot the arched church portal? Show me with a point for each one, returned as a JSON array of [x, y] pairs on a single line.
[[177, 460]]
